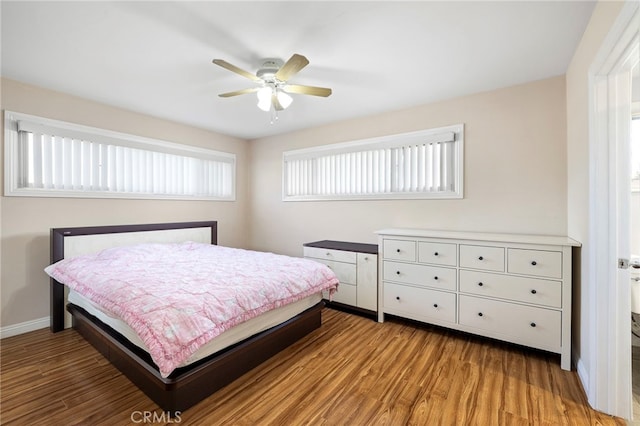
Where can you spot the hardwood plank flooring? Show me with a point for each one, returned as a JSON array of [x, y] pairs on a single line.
[[352, 371]]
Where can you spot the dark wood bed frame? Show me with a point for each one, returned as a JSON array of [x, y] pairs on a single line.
[[189, 385]]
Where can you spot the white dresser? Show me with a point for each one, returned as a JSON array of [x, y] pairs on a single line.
[[355, 265], [511, 287]]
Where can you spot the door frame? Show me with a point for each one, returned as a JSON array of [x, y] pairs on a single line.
[[609, 387]]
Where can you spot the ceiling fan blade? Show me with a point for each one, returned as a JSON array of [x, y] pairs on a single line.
[[291, 67], [233, 68], [239, 92], [307, 90], [276, 103]]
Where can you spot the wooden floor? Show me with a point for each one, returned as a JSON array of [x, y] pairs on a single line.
[[352, 371]]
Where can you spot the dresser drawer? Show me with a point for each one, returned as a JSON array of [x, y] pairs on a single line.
[[329, 254], [346, 294], [400, 250], [346, 272], [540, 263], [529, 290], [422, 275], [437, 253], [419, 303], [538, 327], [482, 257]]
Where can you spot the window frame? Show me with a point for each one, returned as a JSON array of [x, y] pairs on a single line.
[[375, 143], [12, 158]]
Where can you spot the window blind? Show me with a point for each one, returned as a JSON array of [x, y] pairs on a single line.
[[60, 160], [418, 165]]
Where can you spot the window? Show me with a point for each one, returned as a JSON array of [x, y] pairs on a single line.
[[52, 158], [424, 164]]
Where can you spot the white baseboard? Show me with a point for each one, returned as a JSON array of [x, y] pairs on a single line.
[[23, 327], [583, 375]]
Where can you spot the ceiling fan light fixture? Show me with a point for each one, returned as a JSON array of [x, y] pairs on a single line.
[[264, 98], [284, 99]]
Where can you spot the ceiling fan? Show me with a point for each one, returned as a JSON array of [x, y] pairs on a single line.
[[272, 78]]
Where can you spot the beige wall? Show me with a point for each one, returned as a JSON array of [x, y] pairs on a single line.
[[515, 181], [515, 172], [25, 222], [577, 79]]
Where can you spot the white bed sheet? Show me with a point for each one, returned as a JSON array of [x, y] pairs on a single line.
[[226, 339]]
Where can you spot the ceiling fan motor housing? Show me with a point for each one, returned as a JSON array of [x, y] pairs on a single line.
[[269, 68]]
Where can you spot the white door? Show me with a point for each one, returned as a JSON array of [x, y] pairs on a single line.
[[635, 231], [621, 138]]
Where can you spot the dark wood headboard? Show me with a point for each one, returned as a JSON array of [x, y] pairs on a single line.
[[131, 234]]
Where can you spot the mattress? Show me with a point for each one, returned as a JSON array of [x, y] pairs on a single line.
[[234, 335]]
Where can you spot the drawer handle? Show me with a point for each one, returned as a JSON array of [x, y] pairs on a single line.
[[398, 250], [435, 278], [397, 297], [435, 254], [479, 314], [533, 291], [533, 324], [534, 263], [398, 272], [435, 305], [480, 258], [480, 284], [328, 254]]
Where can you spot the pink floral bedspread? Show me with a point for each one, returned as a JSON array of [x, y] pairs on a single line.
[[177, 297]]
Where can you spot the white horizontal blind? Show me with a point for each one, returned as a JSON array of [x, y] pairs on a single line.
[[63, 160], [423, 164]]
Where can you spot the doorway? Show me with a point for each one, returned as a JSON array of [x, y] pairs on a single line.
[[610, 378]]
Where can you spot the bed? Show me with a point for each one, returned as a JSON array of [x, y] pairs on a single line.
[[224, 359]]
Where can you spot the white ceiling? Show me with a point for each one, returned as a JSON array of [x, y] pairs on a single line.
[[155, 57]]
